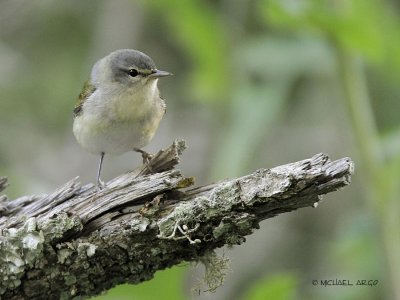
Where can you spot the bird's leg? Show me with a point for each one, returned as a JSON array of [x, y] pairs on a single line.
[[100, 184], [146, 156]]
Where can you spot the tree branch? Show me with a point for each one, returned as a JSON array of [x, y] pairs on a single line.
[[79, 242]]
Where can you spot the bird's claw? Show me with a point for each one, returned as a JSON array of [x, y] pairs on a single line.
[[146, 156]]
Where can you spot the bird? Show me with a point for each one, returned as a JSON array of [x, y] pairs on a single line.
[[119, 108]]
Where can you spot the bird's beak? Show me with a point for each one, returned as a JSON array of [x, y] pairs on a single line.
[[158, 73]]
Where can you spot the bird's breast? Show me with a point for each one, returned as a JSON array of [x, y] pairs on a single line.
[[133, 105], [119, 122]]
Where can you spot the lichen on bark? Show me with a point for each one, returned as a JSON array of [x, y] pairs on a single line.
[[80, 242]]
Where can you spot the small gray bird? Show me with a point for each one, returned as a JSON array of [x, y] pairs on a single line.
[[119, 108]]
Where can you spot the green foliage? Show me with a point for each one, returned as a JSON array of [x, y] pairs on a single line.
[[354, 249], [365, 26], [369, 29], [197, 28], [41, 87], [166, 284], [267, 70], [280, 286]]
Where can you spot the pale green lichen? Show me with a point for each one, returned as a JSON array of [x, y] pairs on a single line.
[[217, 204], [222, 198], [140, 224], [55, 228], [87, 249], [91, 250], [182, 214], [13, 261], [216, 270], [33, 241], [221, 229], [69, 279], [23, 248], [232, 232], [64, 254]]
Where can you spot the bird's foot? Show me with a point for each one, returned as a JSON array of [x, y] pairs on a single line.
[[146, 156], [100, 185]]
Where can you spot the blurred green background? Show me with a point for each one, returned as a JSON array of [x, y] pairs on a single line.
[[257, 84]]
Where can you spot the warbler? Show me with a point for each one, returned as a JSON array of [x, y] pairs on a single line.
[[119, 108]]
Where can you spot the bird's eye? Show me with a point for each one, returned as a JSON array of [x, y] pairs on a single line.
[[133, 72]]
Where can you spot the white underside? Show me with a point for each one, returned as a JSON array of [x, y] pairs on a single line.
[[116, 123]]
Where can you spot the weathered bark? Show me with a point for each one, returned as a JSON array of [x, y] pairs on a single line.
[[78, 241]]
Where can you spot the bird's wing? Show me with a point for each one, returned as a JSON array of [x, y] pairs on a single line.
[[87, 90]]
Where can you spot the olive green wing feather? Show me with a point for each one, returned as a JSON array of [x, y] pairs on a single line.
[[87, 90]]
